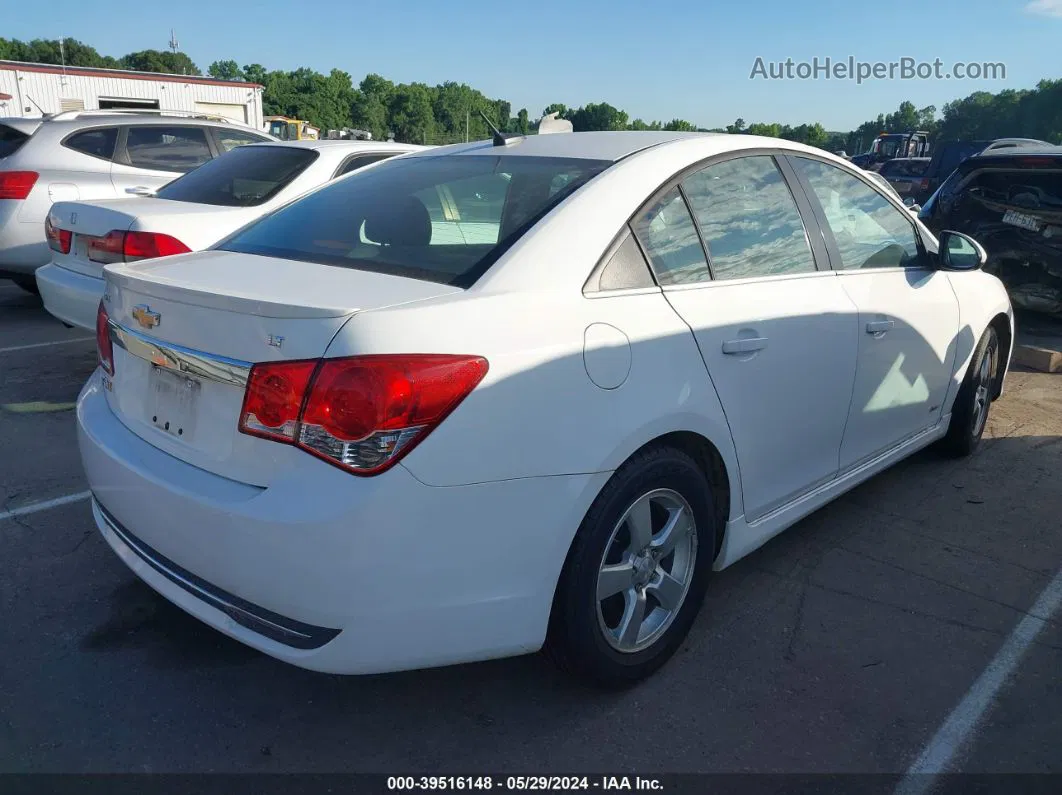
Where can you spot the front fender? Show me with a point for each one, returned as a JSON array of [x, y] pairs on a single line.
[[982, 299]]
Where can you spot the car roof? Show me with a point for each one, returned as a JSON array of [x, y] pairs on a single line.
[[1017, 151], [78, 119], [1020, 140], [1013, 157], [603, 145], [345, 145]]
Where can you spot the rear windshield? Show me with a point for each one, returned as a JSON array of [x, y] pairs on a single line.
[[244, 177], [10, 140], [442, 219]]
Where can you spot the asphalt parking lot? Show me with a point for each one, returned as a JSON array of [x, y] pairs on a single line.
[[842, 646]]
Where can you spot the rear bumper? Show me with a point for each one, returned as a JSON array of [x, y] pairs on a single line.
[[375, 574], [70, 296]]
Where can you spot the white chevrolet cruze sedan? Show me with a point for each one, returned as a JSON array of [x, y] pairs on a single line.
[[531, 392]]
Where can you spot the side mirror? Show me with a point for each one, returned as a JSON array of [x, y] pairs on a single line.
[[909, 201], [959, 252]]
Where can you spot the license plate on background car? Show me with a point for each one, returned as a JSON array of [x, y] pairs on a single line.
[[172, 402], [1021, 220]]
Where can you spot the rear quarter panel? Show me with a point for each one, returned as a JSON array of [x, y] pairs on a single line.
[[537, 412]]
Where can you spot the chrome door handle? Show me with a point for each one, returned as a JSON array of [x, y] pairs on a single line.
[[744, 346], [879, 326], [140, 190]]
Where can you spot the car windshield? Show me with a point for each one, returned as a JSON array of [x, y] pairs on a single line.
[[443, 219], [244, 177], [10, 140]]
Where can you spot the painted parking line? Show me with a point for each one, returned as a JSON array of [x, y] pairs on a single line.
[[14, 348], [37, 407], [36, 507], [964, 720]]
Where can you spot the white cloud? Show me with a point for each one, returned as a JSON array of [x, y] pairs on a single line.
[[1046, 8]]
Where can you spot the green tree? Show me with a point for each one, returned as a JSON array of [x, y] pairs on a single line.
[[225, 70], [255, 73], [369, 105], [410, 113], [560, 109], [768, 130], [680, 125], [523, 123], [175, 63], [598, 116], [737, 127]]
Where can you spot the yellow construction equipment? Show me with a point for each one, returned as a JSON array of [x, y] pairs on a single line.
[[290, 129]]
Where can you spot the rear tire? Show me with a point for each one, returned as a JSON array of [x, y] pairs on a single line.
[[637, 571], [969, 415], [27, 283]]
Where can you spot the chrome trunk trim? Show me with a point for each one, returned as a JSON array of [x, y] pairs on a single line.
[[180, 359]]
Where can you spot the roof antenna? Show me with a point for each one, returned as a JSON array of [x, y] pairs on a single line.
[[500, 138], [44, 114]]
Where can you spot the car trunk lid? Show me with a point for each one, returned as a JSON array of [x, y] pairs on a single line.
[[186, 330], [194, 226]]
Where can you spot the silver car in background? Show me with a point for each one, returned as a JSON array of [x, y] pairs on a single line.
[[87, 155]]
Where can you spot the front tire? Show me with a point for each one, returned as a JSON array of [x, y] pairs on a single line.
[[637, 571], [969, 415]]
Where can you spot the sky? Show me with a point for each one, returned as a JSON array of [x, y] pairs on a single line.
[[687, 59]]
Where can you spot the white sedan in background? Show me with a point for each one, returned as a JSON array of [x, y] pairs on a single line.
[[188, 214], [364, 435]]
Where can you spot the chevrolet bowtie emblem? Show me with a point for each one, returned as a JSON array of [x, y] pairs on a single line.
[[143, 315]]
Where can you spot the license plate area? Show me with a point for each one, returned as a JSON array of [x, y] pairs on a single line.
[[172, 402], [1021, 221]]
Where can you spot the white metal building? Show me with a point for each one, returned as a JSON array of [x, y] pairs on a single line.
[[30, 89]]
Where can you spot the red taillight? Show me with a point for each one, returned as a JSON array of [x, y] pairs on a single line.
[[145, 245], [924, 184], [273, 399], [118, 246], [362, 413], [58, 239], [108, 248], [104, 348], [17, 184]]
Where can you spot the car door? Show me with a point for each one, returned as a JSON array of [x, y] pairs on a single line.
[[151, 155], [908, 312], [775, 330]]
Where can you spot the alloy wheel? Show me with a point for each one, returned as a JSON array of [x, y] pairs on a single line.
[[646, 570]]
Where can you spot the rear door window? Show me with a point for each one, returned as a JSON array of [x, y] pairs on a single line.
[[245, 177], [95, 143], [165, 148], [10, 140], [749, 219], [444, 219]]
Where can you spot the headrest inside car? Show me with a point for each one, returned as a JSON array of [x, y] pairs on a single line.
[[399, 222]]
